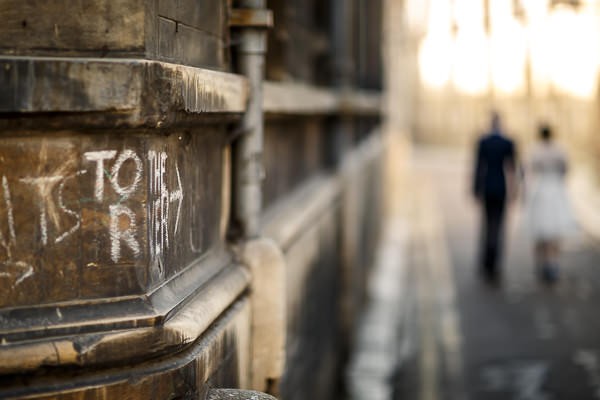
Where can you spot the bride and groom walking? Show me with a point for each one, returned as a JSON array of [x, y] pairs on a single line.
[[548, 213]]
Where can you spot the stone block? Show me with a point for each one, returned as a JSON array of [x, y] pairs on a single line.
[[121, 28]]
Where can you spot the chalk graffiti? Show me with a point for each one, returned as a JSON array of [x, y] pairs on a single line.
[[159, 201], [26, 274], [99, 157], [44, 186], [118, 234], [22, 270], [11, 221], [177, 196], [66, 210], [59, 217], [9, 210], [114, 178]]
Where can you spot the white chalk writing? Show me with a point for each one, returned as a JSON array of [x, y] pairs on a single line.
[[114, 178], [160, 200], [44, 186], [177, 195], [159, 203], [99, 157], [11, 228], [118, 234], [66, 210], [58, 205], [9, 211], [28, 272], [23, 271]]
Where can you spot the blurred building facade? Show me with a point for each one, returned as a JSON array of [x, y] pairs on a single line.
[[532, 60]]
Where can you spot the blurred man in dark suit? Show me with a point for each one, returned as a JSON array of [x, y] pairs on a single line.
[[494, 178]]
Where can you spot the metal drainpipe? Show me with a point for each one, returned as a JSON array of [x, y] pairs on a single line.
[[248, 162], [343, 65]]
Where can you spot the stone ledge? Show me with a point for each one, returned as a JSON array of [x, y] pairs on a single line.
[[288, 218], [177, 325], [146, 92], [300, 99], [218, 357], [139, 92]]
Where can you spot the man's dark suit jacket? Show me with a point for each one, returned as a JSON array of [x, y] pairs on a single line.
[[495, 152]]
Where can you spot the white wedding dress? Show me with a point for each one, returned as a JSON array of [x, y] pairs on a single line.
[[549, 212]]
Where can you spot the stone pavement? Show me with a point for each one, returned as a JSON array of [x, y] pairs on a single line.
[[460, 338], [379, 340]]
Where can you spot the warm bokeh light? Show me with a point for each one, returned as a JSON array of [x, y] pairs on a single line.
[[573, 56], [468, 15], [508, 57], [535, 10], [558, 45], [435, 51], [540, 48], [440, 17], [435, 60], [470, 72], [415, 16], [501, 14]]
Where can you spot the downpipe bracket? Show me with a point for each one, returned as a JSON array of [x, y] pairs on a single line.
[[251, 18]]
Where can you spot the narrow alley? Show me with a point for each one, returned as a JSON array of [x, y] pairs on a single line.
[[300, 200], [521, 339]]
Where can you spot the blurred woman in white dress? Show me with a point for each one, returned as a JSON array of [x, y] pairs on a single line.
[[549, 212]]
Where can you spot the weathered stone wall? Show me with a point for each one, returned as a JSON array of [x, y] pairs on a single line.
[[185, 31], [218, 359], [123, 273], [99, 215]]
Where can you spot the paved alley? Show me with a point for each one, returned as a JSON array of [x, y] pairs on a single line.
[[519, 340]]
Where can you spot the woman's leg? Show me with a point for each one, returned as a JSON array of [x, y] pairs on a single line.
[[549, 252]]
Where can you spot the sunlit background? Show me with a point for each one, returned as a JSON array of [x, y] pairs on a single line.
[[509, 47], [533, 60]]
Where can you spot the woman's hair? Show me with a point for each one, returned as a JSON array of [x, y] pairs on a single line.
[[545, 132]]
